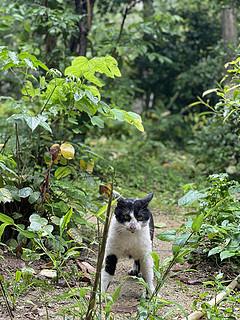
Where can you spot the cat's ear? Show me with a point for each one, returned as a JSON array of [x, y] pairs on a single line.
[[116, 195], [145, 201]]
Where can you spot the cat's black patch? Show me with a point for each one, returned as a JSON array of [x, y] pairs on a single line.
[[137, 263], [139, 207], [111, 262]]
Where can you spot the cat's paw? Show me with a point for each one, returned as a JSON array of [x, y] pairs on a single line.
[[133, 272]]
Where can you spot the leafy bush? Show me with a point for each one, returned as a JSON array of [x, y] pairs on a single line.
[[218, 213], [51, 108]]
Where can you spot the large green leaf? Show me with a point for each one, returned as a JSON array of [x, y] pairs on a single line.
[[79, 66], [168, 235], [112, 65], [96, 121], [197, 223], [191, 197], [134, 118], [6, 219], [37, 222], [62, 172], [65, 220]]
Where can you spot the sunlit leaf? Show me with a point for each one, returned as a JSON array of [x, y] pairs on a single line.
[[83, 164], [67, 150], [112, 65], [37, 222], [6, 219], [90, 167], [62, 172], [5, 195], [97, 121]]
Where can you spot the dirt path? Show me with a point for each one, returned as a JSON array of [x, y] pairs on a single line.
[[174, 290], [31, 304]]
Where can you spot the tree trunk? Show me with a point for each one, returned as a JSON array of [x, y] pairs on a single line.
[[229, 34], [229, 25], [79, 44]]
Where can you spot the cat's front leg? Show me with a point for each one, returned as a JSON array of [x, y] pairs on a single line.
[[108, 271], [147, 271], [135, 269]]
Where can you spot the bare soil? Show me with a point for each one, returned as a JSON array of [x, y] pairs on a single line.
[[183, 289]]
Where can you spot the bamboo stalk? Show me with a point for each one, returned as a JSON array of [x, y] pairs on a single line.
[[198, 314]]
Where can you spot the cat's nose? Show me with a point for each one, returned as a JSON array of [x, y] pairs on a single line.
[[133, 227]]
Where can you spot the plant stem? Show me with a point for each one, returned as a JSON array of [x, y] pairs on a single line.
[[18, 155], [101, 253], [6, 300]]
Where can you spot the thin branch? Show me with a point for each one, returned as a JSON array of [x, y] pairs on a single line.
[[101, 253], [6, 300], [18, 155], [127, 9], [216, 300]]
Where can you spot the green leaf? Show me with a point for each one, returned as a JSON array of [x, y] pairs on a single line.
[[25, 192], [181, 239], [95, 92], [226, 254], [112, 65], [43, 123], [214, 250], [34, 197], [65, 219], [91, 77], [100, 65], [18, 275], [134, 118], [191, 197], [118, 114], [32, 122], [97, 121], [2, 228], [160, 225], [197, 223], [37, 222], [62, 172], [168, 235], [5, 195], [6, 219], [210, 91], [79, 66]]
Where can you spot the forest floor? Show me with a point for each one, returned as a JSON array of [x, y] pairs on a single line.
[[40, 302]]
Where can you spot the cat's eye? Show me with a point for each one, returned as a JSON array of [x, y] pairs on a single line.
[[126, 217], [140, 218]]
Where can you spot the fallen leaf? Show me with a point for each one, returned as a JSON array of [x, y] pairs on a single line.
[[85, 267], [160, 225], [48, 273]]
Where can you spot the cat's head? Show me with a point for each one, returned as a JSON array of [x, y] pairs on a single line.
[[133, 213]]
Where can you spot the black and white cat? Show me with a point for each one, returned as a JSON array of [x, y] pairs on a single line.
[[130, 235]]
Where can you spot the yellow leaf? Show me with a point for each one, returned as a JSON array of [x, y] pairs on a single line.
[[83, 165], [105, 189], [90, 167], [67, 150]]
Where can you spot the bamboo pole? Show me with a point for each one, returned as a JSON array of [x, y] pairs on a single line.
[[198, 314]]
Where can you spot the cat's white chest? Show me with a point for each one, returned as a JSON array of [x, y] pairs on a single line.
[[123, 243]]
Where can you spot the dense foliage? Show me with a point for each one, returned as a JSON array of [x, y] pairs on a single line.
[[99, 93]]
